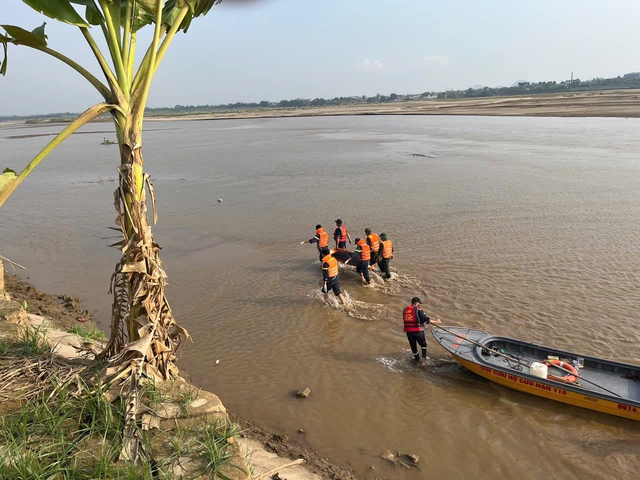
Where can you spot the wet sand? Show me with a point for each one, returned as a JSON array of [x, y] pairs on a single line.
[[605, 103]]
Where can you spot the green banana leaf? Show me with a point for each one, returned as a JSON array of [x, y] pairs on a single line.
[[61, 10], [20, 36]]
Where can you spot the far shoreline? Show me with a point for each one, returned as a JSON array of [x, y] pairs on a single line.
[[597, 103]]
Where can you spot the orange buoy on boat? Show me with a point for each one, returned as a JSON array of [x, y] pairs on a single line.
[[570, 378]]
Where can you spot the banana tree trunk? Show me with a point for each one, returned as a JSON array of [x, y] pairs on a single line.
[[142, 325]]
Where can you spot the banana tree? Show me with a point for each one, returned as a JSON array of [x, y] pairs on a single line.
[[144, 335]]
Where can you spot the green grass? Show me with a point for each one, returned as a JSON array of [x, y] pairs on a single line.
[[187, 398], [67, 437], [88, 333], [154, 394], [32, 341], [214, 451]]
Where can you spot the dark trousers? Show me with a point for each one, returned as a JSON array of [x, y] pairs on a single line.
[[415, 339], [363, 268], [383, 264], [334, 284]]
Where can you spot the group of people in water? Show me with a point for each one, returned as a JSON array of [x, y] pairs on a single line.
[[371, 250]]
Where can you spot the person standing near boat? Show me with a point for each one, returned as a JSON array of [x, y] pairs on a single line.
[[321, 238], [362, 255], [385, 255], [341, 235], [374, 243], [414, 320], [330, 276]]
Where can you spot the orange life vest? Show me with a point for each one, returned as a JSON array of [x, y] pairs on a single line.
[[410, 318], [323, 238], [387, 249], [375, 242], [343, 233], [366, 250], [333, 265]]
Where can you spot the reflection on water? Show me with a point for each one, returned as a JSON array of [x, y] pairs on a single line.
[[524, 227]]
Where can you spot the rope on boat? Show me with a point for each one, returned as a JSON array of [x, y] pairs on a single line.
[[512, 359]]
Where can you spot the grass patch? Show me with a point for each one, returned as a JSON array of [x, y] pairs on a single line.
[[214, 450], [187, 398], [65, 437], [156, 395], [68, 436], [89, 333], [32, 341]]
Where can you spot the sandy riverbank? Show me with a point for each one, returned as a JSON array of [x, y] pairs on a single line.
[[265, 451], [606, 103]]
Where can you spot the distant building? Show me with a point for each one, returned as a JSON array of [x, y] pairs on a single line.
[[632, 75]]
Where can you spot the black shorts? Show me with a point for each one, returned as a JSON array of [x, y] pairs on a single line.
[[334, 284], [342, 244], [416, 338]]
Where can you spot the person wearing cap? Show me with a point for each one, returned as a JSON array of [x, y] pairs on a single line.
[[330, 276], [341, 235], [414, 320], [385, 255], [374, 243], [321, 238], [362, 255]]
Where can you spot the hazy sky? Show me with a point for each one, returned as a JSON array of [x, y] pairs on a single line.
[[283, 49]]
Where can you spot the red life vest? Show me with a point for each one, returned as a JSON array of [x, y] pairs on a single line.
[[343, 231], [333, 265], [366, 250], [387, 249], [411, 321], [375, 242], [323, 238]]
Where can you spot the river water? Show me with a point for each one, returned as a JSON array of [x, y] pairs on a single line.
[[525, 227]]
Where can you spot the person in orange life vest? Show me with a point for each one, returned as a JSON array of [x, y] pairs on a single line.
[[414, 320], [362, 255], [340, 235], [330, 276], [321, 238], [374, 242], [385, 255]]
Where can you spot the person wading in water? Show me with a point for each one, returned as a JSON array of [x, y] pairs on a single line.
[[362, 255], [341, 235], [374, 242], [385, 255], [330, 277], [414, 320], [321, 238]]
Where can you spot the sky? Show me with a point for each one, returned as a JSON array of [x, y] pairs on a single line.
[[284, 49]]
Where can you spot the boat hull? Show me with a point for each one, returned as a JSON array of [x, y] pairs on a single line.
[[558, 393], [604, 386]]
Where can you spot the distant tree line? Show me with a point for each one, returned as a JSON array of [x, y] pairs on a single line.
[[630, 80]]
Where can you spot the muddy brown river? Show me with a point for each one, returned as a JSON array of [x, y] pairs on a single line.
[[524, 227]]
